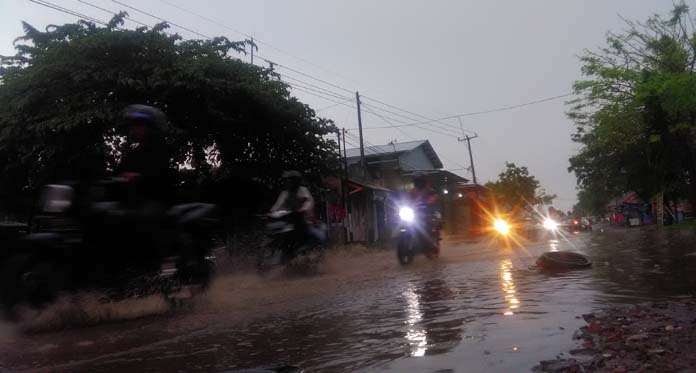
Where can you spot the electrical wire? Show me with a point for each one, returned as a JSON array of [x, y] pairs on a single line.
[[391, 125], [409, 112], [504, 108], [112, 12], [162, 19], [68, 11], [256, 40]]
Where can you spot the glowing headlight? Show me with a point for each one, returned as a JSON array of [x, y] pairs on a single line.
[[501, 226], [550, 224], [406, 214]]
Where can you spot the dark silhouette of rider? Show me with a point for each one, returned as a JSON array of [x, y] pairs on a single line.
[[146, 157], [422, 192]]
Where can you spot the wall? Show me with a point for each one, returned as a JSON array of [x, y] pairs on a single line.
[[416, 160]]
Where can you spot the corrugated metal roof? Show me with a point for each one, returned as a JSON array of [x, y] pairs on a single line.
[[385, 149]]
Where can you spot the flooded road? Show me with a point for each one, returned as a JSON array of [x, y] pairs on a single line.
[[480, 307]]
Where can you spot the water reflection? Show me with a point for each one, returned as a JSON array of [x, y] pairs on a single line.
[[416, 335], [509, 289], [553, 244]]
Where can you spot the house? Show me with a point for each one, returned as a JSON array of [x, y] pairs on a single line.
[[392, 165]]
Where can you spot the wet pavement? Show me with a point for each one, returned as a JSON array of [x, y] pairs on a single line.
[[480, 307]]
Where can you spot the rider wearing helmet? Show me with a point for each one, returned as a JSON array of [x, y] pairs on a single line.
[[422, 192], [295, 197], [146, 158]]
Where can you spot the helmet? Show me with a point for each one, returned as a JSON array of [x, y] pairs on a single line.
[[153, 116], [291, 174], [419, 180]]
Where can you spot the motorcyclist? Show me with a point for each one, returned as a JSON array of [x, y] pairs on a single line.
[[145, 167], [146, 158], [295, 197], [423, 193]]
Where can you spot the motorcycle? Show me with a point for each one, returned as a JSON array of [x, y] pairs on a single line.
[[298, 245], [90, 238], [418, 233]]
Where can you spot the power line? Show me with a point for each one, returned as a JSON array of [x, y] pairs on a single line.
[[162, 19], [303, 74], [68, 11], [419, 126], [334, 105], [255, 39], [317, 88], [113, 13], [408, 112], [504, 108]]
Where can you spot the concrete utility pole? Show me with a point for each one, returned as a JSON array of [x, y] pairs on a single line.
[[345, 155], [468, 139], [363, 165], [252, 50]]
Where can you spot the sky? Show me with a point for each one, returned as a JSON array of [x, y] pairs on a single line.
[[434, 59]]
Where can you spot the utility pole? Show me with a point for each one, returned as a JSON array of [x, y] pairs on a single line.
[[340, 153], [344, 188], [345, 155], [468, 139], [363, 165], [252, 50]]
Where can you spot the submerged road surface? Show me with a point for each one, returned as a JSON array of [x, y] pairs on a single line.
[[480, 307]]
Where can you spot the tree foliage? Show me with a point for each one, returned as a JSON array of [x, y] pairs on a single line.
[[518, 187], [636, 115], [61, 95]]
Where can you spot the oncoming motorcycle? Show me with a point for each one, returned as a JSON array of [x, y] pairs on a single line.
[[418, 232]]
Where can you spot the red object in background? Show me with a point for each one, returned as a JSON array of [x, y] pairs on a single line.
[[336, 213]]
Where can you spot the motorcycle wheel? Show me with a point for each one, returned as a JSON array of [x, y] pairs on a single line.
[[25, 280], [404, 250]]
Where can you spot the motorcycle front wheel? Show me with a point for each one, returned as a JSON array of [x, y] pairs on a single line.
[[404, 250]]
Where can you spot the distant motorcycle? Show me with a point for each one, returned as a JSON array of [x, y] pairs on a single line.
[[418, 233], [292, 243], [87, 238]]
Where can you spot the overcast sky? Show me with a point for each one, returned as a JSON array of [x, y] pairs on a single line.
[[432, 58]]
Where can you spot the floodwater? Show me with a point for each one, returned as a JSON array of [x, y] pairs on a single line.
[[480, 307]]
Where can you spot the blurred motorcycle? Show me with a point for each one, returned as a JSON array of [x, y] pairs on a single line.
[[292, 243], [89, 238]]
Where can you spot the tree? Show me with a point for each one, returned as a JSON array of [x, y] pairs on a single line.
[[636, 114], [61, 95], [519, 188]]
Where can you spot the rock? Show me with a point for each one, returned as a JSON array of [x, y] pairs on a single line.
[[656, 351], [637, 338], [595, 327], [588, 317], [582, 351], [669, 328], [559, 366]]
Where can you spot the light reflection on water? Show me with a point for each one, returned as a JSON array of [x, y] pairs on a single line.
[[416, 335], [509, 290]]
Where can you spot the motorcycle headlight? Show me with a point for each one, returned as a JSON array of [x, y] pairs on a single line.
[[550, 224], [501, 226], [406, 214]]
